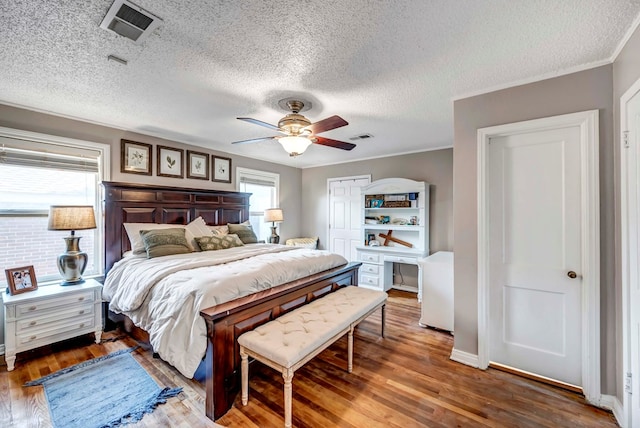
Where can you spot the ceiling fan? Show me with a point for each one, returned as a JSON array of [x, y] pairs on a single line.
[[299, 132]]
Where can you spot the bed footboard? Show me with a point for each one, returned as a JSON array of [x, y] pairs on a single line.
[[226, 322]]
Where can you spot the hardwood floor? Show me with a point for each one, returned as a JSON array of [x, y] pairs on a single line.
[[404, 380]]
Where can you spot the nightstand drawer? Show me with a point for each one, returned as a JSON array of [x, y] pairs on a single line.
[[36, 321], [33, 307], [369, 257], [57, 328]]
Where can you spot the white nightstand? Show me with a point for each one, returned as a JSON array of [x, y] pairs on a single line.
[[50, 314]]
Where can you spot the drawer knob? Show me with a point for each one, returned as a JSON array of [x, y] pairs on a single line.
[[32, 338], [81, 325], [81, 298], [33, 323], [81, 312], [33, 308]]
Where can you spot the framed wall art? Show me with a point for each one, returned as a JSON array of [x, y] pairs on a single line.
[[135, 158], [170, 162], [221, 169], [197, 165], [21, 280]]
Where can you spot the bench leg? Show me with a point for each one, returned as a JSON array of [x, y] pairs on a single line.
[[287, 374], [245, 376], [384, 312], [350, 350]]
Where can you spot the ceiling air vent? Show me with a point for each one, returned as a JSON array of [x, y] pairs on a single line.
[[361, 137], [131, 21]]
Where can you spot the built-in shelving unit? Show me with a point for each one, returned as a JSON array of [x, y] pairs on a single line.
[[395, 212]]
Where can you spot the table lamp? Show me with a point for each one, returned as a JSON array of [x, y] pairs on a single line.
[[273, 215], [72, 263]]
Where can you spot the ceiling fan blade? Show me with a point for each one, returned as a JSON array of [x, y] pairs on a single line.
[[327, 124], [334, 143], [259, 122], [255, 140]]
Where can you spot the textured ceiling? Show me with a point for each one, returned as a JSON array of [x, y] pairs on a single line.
[[390, 68]]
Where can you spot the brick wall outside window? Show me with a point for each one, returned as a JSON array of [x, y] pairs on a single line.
[[25, 241]]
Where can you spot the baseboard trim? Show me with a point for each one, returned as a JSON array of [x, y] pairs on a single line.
[[611, 402], [465, 358]]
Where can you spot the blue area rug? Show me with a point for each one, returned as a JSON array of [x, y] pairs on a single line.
[[109, 391]]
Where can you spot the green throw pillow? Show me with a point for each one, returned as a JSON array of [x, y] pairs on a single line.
[[164, 242], [218, 242], [244, 232]]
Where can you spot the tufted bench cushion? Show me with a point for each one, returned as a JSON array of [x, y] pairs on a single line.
[[289, 341]]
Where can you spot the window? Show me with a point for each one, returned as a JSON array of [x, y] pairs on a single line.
[[37, 171], [264, 188]]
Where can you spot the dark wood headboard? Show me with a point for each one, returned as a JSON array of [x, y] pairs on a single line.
[[142, 203]]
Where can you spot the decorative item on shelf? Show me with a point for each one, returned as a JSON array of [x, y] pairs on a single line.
[[413, 220], [273, 216], [400, 221], [384, 219], [72, 263], [388, 238], [377, 203], [396, 204], [21, 280], [370, 237]]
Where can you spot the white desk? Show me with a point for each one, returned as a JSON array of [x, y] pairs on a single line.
[[376, 271]]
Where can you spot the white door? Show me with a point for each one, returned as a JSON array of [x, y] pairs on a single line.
[[631, 157], [344, 215], [535, 282]]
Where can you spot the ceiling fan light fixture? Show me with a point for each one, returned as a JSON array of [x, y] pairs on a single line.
[[295, 145]]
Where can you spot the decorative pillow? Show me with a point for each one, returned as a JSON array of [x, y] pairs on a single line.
[[164, 242], [244, 232], [219, 230], [219, 242], [196, 228]]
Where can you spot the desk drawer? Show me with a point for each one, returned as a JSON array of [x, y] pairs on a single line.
[[370, 280], [31, 308], [401, 259], [369, 257], [370, 269]]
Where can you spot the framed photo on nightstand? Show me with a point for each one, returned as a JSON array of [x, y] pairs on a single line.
[[21, 280]]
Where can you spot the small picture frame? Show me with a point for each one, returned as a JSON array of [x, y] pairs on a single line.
[[377, 203], [135, 158], [197, 165], [221, 169], [170, 162], [21, 280]]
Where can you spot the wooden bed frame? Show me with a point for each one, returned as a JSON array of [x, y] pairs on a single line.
[[139, 203]]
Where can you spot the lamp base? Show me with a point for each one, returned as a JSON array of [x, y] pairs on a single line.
[[274, 238], [72, 263]]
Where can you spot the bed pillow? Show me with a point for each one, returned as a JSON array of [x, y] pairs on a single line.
[[219, 242], [219, 230], [164, 242], [244, 232]]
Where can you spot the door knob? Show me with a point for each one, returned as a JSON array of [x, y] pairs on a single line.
[[571, 274]]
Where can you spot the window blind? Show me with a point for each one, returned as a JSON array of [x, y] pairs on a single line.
[[42, 155]]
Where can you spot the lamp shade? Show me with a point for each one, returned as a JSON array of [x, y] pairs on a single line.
[[71, 217], [272, 215], [295, 145]]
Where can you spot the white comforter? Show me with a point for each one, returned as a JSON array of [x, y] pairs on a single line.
[[164, 295]]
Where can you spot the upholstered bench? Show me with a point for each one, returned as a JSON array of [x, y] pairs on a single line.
[[288, 342]]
